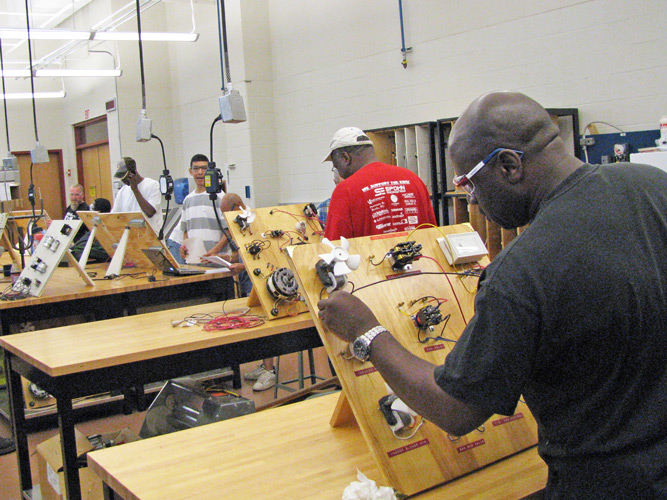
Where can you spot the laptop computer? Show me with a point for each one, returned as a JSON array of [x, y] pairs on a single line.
[[160, 261]]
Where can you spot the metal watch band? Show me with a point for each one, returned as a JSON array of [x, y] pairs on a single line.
[[373, 332]]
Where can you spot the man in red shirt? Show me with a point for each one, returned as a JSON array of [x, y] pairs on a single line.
[[373, 198]]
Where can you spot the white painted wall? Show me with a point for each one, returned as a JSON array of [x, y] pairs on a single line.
[[338, 63], [306, 68]]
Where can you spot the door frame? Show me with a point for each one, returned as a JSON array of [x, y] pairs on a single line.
[[61, 176], [80, 145]]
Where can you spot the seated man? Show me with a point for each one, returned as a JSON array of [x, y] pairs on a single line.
[[97, 253]]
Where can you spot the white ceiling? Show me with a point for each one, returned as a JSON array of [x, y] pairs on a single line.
[[43, 13], [48, 14]]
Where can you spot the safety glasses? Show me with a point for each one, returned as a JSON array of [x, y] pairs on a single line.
[[463, 181]]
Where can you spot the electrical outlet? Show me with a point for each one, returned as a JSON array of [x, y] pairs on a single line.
[[461, 248]]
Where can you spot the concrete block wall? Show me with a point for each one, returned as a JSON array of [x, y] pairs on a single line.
[[338, 63], [306, 68]]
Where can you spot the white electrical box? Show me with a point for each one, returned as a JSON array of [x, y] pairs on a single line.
[[39, 154], [144, 127], [232, 109], [461, 248]]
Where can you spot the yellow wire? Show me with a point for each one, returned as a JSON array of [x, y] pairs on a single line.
[[419, 226]]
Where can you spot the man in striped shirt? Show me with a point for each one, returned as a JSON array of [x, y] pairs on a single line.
[[199, 219]]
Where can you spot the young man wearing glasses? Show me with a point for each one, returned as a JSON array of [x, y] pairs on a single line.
[[570, 316], [198, 219]]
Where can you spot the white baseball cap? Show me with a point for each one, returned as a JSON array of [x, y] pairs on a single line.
[[348, 136]]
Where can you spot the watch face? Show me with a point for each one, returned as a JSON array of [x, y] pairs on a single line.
[[360, 349]]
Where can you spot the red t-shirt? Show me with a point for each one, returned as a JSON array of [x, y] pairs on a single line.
[[378, 199]]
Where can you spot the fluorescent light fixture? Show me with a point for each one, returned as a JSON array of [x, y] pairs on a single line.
[[78, 72], [56, 34], [59, 73], [18, 73], [42, 34], [146, 37], [38, 95]]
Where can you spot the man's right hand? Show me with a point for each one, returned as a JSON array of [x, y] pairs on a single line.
[[183, 250]]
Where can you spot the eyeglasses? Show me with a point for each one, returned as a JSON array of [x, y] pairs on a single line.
[[463, 181], [198, 168]]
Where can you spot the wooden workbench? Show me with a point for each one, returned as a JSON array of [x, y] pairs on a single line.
[[66, 294], [284, 453], [80, 360]]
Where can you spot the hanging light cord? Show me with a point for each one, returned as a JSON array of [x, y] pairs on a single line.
[[222, 72], [4, 95], [32, 79], [222, 38], [141, 58]]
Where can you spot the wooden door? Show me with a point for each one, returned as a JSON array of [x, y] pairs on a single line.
[[48, 181], [96, 172]]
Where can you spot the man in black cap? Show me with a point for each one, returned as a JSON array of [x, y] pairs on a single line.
[[139, 194]]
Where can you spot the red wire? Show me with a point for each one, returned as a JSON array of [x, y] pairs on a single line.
[[229, 322], [450, 285]]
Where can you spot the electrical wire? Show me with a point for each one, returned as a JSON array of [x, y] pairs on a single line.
[[166, 196], [210, 136], [595, 123], [4, 96], [141, 57], [232, 322], [32, 78], [450, 284]]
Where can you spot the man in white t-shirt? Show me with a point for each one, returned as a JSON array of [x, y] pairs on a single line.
[[139, 194]]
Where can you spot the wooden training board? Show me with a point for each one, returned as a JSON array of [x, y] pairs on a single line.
[[110, 229], [431, 456], [272, 256]]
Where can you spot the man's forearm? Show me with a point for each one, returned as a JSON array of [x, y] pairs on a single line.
[[413, 381], [146, 207]]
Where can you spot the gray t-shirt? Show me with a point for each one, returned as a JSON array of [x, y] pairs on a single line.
[[573, 316]]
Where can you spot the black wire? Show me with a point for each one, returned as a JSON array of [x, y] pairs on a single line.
[[4, 95], [437, 337], [410, 275], [222, 72], [141, 58], [167, 196], [210, 136], [224, 42], [232, 244], [32, 79], [383, 258], [164, 157], [34, 218]]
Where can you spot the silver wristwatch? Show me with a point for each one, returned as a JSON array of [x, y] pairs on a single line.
[[361, 347]]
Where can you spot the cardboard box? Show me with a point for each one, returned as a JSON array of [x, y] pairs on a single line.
[[50, 464]]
